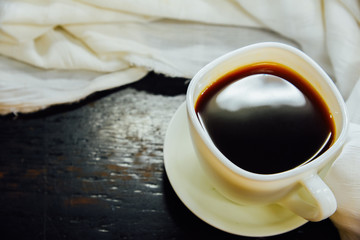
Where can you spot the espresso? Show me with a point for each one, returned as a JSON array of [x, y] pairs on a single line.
[[266, 118]]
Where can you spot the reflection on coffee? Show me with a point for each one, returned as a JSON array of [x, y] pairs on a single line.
[[266, 118]]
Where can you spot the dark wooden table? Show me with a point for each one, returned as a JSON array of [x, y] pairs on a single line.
[[94, 170]]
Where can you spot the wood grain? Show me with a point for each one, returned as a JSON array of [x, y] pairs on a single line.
[[94, 170]]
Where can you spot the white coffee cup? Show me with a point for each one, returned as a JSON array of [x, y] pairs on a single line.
[[300, 189]]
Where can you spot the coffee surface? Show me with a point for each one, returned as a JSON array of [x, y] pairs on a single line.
[[265, 118]]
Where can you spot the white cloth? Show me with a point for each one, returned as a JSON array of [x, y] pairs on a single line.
[[343, 177], [177, 37], [55, 52]]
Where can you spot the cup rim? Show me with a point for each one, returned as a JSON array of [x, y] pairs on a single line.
[[309, 167]]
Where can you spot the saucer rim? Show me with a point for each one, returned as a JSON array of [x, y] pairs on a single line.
[[189, 203]]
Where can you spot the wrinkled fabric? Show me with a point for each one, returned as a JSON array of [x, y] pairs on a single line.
[[118, 42]]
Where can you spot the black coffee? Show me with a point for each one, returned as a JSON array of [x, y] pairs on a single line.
[[266, 118]]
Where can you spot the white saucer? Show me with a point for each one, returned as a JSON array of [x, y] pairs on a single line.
[[192, 187]]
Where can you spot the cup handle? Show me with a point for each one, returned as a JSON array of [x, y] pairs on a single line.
[[321, 204]]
